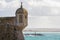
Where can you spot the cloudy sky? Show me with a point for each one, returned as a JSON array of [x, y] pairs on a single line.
[[42, 13]]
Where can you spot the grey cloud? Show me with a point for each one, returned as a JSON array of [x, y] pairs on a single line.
[[44, 22], [9, 0], [45, 11], [7, 12], [34, 10], [56, 0], [55, 20], [38, 11], [37, 0]]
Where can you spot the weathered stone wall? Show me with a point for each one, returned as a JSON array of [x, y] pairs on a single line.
[[10, 32]]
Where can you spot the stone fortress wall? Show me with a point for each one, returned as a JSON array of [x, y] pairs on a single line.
[[10, 32]]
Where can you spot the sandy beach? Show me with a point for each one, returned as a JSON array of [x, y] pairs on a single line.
[[42, 30]]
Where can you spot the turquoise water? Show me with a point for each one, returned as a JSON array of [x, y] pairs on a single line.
[[45, 36]]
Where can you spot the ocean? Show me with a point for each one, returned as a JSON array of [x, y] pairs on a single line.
[[44, 36]]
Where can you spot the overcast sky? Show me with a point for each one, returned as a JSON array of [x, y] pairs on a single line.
[[42, 13]]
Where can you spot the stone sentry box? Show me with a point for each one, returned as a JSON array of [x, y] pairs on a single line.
[[11, 27]]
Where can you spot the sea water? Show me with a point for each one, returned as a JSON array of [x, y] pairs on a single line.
[[45, 36]]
